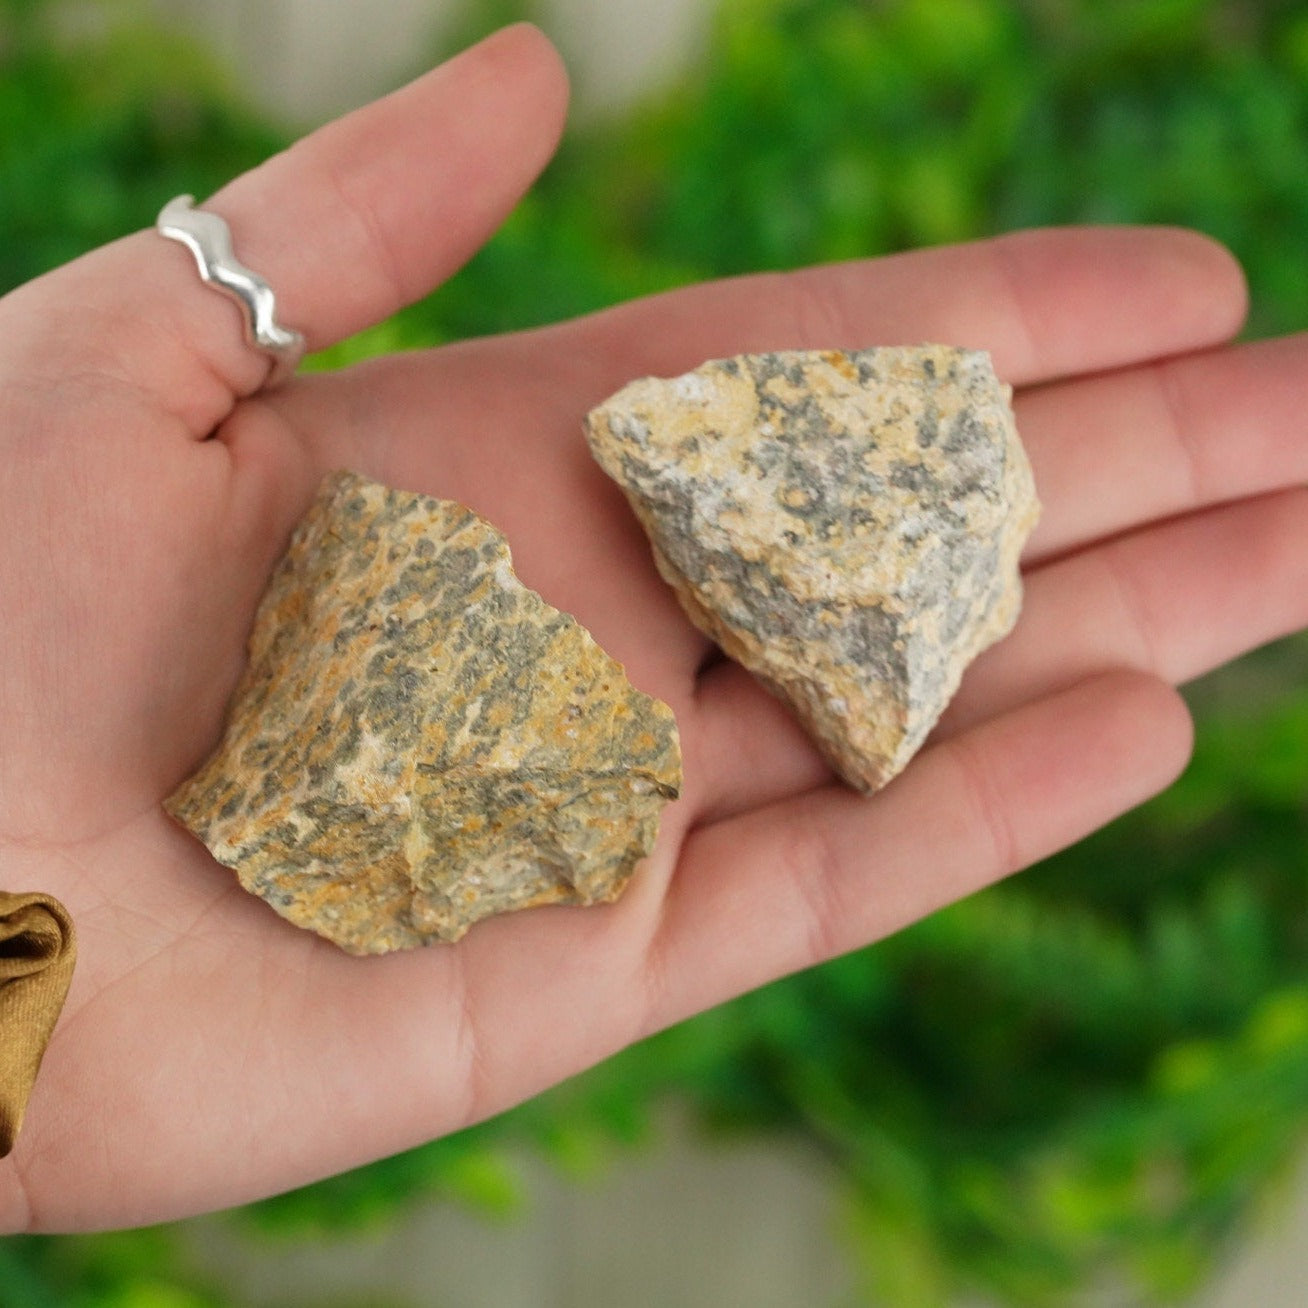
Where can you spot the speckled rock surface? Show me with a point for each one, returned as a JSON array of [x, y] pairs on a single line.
[[419, 741], [845, 525]]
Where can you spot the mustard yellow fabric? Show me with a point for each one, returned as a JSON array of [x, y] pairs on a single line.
[[38, 948]]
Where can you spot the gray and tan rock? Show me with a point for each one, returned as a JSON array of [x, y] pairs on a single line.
[[420, 741], [845, 525]]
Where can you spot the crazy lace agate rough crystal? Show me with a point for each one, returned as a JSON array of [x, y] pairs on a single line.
[[845, 525], [419, 741]]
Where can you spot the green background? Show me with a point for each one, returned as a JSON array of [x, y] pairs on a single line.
[[1083, 1077]]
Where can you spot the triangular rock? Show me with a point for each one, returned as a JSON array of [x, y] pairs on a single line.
[[845, 525]]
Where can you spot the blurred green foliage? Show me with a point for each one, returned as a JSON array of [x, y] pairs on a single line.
[[1082, 1077], [92, 126]]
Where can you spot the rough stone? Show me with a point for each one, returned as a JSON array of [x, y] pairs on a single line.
[[419, 741], [845, 525]]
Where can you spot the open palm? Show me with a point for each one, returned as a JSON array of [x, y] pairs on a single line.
[[210, 1052]]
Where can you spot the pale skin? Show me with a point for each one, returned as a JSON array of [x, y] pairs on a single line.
[[209, 1052]]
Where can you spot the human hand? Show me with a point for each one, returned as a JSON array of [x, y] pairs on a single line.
[[209, 1052]]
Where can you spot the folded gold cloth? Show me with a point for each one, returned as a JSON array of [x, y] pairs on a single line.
[[38, 948]]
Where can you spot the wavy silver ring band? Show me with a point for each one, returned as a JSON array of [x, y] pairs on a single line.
[[208, 238]]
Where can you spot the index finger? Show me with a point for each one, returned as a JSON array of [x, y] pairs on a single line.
[[1046, 304]]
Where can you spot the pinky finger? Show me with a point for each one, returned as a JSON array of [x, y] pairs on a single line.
[[769, 892]]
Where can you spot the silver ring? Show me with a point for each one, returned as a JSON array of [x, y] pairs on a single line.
[[210, 239]]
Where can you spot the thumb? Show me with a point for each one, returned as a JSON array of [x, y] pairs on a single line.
[[350, 224]]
